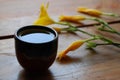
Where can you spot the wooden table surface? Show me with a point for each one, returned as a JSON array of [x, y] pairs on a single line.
[[102, 63]]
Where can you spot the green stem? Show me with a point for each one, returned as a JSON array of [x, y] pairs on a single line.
[[115, 32], [85, 32], [90, 39], [95, 37], [111, 14], [64, 23], [72, 28], [105, 24], [115, 44]]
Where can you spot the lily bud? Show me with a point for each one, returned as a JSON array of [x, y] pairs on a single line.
[[57, 29], [92, 12], [73, 46], [75, 18]]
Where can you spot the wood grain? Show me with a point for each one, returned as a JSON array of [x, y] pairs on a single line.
[[101, 63]]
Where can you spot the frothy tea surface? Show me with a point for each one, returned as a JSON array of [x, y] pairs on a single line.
[[37, 36]]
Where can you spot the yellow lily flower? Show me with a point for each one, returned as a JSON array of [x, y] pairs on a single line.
[[44, 18], [57, 29], [73, 46], [75, 18], [92, 12]]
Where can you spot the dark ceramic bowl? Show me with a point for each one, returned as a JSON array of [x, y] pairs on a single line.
[[35, 56]]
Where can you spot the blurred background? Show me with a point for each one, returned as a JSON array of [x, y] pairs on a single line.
[[18, 8]]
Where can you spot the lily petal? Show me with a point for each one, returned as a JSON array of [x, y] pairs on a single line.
[[44, 18]]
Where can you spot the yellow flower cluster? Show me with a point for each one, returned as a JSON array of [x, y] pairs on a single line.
[[44, 19], [73, 46], [92, 12]]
